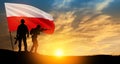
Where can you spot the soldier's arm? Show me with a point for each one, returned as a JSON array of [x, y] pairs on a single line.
[[27, 31], [17, 35], [44, 29]]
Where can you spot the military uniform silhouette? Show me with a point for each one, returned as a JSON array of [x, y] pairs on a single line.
[[35, 32], [22, 31]]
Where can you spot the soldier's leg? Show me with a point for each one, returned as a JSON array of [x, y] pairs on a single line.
[[25, 43], [33, 45], [36, 45], [31, 49], [19, 45]]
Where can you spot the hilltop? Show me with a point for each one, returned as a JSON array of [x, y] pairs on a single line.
[[12, 57]]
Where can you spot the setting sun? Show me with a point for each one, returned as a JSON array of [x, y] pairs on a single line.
[[59, 52]]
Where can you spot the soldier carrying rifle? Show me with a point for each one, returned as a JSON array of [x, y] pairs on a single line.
[[22, 31]]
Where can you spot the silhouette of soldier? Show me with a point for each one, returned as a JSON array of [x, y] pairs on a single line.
[[22, 31], [34, 33]]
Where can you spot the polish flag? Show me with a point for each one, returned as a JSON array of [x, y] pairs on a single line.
[[32, 16]]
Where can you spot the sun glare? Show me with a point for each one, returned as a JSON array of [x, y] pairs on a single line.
[[59, 52]]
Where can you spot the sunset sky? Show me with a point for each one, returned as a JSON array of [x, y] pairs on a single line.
[[82, 27]]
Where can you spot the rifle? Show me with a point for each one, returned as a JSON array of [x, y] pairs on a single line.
[[16, 39], [44, 29]]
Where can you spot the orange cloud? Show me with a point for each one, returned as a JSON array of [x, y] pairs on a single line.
[[85, 39]]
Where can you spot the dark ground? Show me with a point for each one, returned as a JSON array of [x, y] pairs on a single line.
[[11, 57]]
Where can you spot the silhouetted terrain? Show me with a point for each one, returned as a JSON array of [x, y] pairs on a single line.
[[11, 57]]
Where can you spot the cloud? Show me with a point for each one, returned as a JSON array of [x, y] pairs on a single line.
[[97, 5], [61, 3], [82, 31], [101, 5], [86, 39]]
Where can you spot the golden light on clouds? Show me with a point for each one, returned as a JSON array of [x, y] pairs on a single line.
[[84, 31], [86, 38]]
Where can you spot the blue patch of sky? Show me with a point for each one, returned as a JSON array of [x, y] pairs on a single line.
[[77, 4], [45, 5], [113, 9]]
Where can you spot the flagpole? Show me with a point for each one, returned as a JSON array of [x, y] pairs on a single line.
[[10, 36], [11, 41]]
